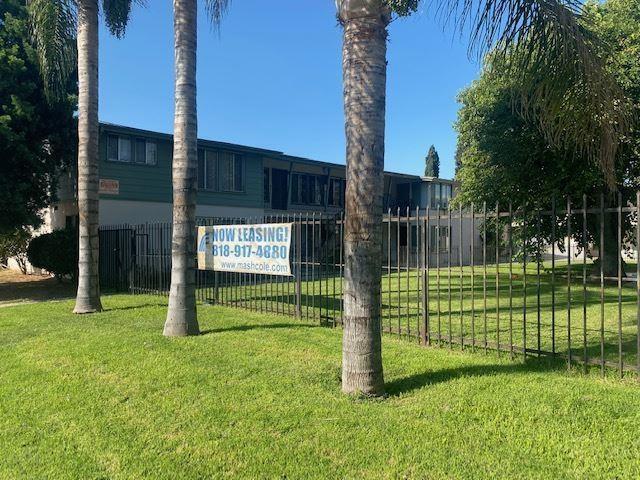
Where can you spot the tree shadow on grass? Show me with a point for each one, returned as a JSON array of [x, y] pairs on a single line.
[[410, 383], [268, 326], [134, 307]]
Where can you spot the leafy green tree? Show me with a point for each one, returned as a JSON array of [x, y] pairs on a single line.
[[52, 23], [458, 160], [432, 163], [506, 158], [35, 135]]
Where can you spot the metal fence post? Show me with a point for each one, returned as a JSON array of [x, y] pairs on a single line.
[[298, 224]]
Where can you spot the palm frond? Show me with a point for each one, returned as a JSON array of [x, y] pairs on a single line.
[[216, 10], [561, 65], [116, 15], [52, 24]]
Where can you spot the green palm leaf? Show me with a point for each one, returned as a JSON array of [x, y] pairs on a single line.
[[53, 32]]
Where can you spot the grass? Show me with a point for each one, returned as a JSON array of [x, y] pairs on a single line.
[[258, 396], [459, 312]]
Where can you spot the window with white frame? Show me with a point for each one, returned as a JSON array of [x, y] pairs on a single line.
[[123, 149]]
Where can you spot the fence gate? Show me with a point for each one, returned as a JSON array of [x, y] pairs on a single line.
[[117, 253]]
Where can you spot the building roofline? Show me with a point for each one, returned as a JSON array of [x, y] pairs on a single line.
[[168, 136], [263, 151]]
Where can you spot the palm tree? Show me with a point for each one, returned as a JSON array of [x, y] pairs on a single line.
[[52, 22], [181, 314], [548, 45]]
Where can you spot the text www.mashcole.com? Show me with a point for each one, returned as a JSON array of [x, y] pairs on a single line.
[[257, 267]]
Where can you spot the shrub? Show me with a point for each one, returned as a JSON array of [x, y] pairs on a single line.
[[55, 252], [14, 245]]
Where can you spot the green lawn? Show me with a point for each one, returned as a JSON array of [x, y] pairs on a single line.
[[462, 313], [258, 396]]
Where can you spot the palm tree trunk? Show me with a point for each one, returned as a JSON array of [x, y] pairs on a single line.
[[88, 296], [181, 315], [364, 77]]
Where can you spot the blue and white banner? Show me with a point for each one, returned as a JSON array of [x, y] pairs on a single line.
[[262, 248]]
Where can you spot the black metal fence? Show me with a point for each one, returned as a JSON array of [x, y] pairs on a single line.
[[561, 281]]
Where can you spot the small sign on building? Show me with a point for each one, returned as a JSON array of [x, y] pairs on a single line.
[[109, 187], [261, 248]]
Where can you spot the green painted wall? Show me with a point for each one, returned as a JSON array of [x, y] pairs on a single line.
[[152, 183]]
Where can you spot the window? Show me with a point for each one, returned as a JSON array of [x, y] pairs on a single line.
[[307, 189], [439, 238], [207, 170], [112, 148], [220, 171], [267, 185], [120, 149], [435, 195], [124, 149], [336, 192], [201, 182], [152, 153], [141, 151], [211, 169], [231, 172], [445, 196]]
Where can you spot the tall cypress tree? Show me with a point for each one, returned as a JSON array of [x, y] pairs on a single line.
[[432, 163]]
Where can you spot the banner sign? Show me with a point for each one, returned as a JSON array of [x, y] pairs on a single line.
[[262, 249]]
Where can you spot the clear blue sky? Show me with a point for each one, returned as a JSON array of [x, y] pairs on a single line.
[[272, 79]]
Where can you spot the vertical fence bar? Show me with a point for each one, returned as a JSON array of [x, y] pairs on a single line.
[[321, 265], [426, 274], [449, 246], [569, 282], [553, 275], [313, 263], [299, 267], [389, 268], [438, 278], [289, 302], [484, 274], [638, 285], [510, 233], [584, 282], [341, 270], [601, 261], [306, 265], [408, 264], [398, 270], [524, 281], [620, 361], [498, 277], [473, 278], [460, 260], [418, 274], [538, 264], [334, 227]]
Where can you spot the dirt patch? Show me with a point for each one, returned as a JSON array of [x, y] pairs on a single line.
[[17, 288]]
